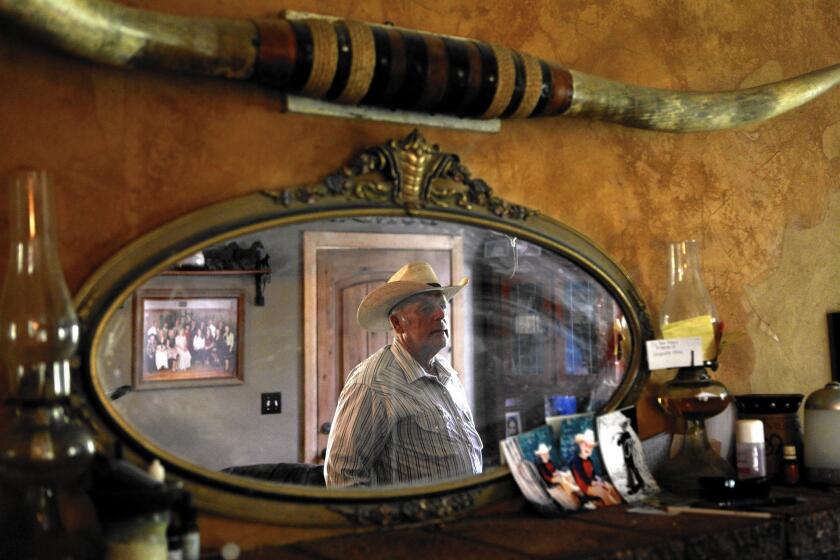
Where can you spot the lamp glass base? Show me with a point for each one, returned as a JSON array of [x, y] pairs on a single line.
[[696, 460]]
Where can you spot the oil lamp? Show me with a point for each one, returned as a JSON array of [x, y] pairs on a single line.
[[43, 446], [692, 396]]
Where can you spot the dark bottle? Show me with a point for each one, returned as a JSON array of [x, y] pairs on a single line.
[[174, 536], [791, 465], [191, 538]]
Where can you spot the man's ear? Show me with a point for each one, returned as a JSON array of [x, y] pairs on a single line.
[[395, 323]]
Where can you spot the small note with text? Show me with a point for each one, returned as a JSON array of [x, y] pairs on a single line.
[[674, 352]]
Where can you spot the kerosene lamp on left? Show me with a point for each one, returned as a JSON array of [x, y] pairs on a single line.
[[43, 446]]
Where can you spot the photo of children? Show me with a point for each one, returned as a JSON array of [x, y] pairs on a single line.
[[537, 469], [578, 452]]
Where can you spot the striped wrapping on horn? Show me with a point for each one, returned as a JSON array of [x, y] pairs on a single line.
[[355, 63], [358, 64]]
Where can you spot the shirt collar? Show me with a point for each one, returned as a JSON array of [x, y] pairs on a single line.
[[412, 368]]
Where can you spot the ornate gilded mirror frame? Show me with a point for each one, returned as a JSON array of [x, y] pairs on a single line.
[[409, 177]]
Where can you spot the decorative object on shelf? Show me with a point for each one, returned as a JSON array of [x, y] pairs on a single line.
[[193, 262], [234, 257], [44, 448], [230, 259], [822, 418], [354, 63], [692, 396]]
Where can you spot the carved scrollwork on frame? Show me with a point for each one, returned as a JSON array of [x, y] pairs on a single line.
[[389, 514], [411, 173]]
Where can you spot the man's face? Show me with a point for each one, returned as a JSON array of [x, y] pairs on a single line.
[[420, 324], [585, 450]]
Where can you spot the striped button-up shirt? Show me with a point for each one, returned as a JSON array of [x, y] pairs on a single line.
[[397, 424]]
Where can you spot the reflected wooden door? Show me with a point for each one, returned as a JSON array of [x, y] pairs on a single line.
[[340, 270]]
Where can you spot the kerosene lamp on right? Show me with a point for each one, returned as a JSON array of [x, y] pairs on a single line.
[[692, 396]]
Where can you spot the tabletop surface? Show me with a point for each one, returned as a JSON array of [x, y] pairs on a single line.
[[808, 529]]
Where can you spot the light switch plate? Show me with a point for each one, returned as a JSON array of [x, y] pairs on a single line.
[[271, 403]]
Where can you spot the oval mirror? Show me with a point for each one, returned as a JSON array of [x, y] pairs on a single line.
[[220, 343]]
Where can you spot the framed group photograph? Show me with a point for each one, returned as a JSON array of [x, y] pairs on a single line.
[[187, 338]]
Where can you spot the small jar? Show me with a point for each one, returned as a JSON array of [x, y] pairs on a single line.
[[790, 468], [749, 449]]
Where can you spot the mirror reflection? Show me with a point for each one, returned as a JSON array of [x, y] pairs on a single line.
[[239, 358]]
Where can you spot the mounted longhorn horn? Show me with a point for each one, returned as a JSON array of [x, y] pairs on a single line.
[[362, 64]]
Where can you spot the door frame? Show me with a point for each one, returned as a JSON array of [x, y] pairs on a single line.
[[314, 241]]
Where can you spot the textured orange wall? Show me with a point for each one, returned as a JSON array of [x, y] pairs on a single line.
[[132, 150]]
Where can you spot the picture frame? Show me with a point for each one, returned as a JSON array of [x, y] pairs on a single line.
[[513, 424], [623, 456], [168, 351], [578, 450]]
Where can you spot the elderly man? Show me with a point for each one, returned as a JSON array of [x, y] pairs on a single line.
[[403, 417]]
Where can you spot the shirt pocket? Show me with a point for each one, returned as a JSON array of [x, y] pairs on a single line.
[[437, 424]]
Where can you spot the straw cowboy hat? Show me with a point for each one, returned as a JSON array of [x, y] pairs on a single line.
[[587, 436], [410, 280], [542, 448]]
